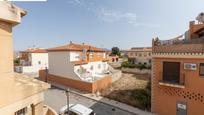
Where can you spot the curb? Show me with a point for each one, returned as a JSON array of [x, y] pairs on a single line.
[[108, 102]]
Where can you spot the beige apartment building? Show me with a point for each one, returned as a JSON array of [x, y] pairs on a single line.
[[139, 55], [20, 95]]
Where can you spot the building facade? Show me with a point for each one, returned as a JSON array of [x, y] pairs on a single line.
[[79, 63], [20, 95], [32, 60], [177, 73], [139, 55]]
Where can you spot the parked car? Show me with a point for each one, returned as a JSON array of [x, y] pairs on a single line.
[[76, 109]]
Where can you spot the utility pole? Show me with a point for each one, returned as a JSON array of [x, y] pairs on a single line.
[[67, 94], [46, 71]]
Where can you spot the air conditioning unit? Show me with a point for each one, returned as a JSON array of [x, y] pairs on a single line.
[[190, 66]]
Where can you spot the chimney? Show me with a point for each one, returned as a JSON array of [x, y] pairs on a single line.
[[191, 27], [6, 41], [191, 23]]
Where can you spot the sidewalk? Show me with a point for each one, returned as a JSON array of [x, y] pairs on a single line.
[[118, 104], [107, 101]]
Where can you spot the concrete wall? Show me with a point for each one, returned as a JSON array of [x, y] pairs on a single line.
[[60, 65], [39, 57], [164, 98], [81, 85], [136, 71], [75, 56], [31, 103], [98, 67], [6, 47], [10, 13]]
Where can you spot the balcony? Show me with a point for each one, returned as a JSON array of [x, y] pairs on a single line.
[[174, 83], [178, 46]]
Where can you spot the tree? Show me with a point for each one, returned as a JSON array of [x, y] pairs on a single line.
[[17, 61], [116, 51]]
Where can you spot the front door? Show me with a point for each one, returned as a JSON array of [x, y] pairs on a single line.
[[181, 108]]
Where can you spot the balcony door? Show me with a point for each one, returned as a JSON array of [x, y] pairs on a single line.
[[171, 72]]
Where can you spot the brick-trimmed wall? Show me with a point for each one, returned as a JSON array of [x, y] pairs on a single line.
[[81, 85], [164, 98]]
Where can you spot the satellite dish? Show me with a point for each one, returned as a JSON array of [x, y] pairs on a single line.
[[200, 18]]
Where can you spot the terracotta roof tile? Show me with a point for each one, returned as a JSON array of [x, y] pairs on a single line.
[[76, 47], [140, 49], [34, 50]]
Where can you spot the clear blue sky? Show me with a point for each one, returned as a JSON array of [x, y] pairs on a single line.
[[103, 23]]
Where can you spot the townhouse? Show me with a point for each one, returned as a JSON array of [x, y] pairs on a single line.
[[177, 73], [32, 60], [20, 95], [78, 66], [139, 55]]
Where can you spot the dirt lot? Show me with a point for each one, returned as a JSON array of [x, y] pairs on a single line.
[[130, 89]]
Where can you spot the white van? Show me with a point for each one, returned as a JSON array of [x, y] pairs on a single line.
[[76, 109]]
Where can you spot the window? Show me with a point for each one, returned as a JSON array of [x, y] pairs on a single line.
[[131, 54], [201, 69], [149, 54], [39, 62], [104, 65], [135, 54], [140, 55], [145, 54], [171, 72], [77, 57], [113, 59], [91, 55], [91, 68]]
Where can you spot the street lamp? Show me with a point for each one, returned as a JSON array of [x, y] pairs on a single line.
[[67, 94]]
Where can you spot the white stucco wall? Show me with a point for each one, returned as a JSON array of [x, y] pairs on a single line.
[[39, 60], [74, 56], [60, 65], [95, 65]]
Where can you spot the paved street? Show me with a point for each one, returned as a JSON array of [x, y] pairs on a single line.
[[56, 99]]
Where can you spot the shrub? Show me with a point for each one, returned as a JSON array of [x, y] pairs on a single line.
[[141, 66], [143, 97], [148, 87], [125, 64], [17, 61], [132, 66]]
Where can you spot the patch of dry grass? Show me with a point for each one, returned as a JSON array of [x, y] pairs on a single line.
[[125, 88]]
